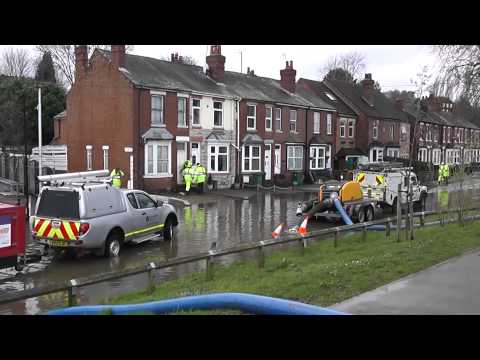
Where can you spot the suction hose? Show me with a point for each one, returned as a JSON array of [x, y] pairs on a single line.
[[249, 303]]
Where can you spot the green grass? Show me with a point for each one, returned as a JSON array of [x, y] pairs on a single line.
[[325, 275]]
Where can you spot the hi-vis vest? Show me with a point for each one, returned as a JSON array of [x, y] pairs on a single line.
[[56, 229]]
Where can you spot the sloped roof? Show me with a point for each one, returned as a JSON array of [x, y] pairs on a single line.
[[320, 91], [261, 88], [61, 115], [252, 139], [158, 134], [382, 108]]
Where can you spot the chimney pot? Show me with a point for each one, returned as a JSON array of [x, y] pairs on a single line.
[[216, 63], [368, 76], [287, 77]]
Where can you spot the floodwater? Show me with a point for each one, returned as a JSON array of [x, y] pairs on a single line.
[[220, 224]]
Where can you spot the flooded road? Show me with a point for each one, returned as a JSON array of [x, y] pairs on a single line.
[[219, 224]]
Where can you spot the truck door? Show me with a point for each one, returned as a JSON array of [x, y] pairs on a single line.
[[138, 219], [150, 210]]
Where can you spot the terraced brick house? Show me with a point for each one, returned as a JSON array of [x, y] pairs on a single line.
[[340, 126], [382, 129], [147, 116]]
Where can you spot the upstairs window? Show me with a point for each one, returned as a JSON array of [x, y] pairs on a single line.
[[392, 131], [268, 118], [329, 124], [251, 117], [375, 130], [343, 124], [196, 112], [157, 110], [403, 133], [429, 132], [316, 123], [278, 119], [351, 128], [182, 122], [217, 114], [293, 120]]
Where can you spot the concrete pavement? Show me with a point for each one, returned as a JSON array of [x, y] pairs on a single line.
[[451, 287]]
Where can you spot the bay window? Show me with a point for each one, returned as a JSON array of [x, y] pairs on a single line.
[[218, 158], [251, 157], [317, 157], [158, 158], [423, 155], [436, 156], [294, 157]]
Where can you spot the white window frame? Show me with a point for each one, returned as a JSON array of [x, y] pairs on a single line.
[[251, 158], [277, 169], [435, 133], [162, 110], [436, 156], [351, 126], [155, 173], [179, 124], [329, 124], [198, 108], [278, 120], [89, 153], [423, 155], [316, 123], [216, 154], [343, 128], [403, 133], [250, 117], [429, 132], [221, 114], [394, 153], [377, 149], [294, 147], [293, 121], [375, 130], [105, 149], [391, 131], [268, 119], [314, 159]]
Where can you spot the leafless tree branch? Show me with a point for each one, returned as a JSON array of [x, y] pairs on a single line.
[[16, 62]]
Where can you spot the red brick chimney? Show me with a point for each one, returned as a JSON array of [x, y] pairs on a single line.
[[287, 77], [368, 86], [216, 63], [433, 104], [81, 60], [118, 56]]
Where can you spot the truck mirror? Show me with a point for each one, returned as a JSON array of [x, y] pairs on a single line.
[[159, 203]]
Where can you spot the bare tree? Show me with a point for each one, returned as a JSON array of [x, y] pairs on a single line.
[[63, 57], [459, 72], [16, 62], [352, 62]]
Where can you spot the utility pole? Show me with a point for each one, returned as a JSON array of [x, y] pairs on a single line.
[[25, 157], [40, 130]]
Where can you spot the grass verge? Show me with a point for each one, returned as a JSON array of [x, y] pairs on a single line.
[[325, 275]]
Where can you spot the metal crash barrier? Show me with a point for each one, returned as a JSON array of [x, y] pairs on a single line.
[[248, 303]]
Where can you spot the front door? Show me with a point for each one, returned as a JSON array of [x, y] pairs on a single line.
[[181, 158], [195, 153], [268, 162], [278, 159]]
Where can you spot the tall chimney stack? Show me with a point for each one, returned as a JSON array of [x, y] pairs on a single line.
[[81, 60], [287, 77], [216, 63], [118, 56], [368, 86]]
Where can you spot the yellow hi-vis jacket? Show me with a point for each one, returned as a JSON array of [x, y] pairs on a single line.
[[116, 176]]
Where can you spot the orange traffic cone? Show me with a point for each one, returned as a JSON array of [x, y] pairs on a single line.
[[302, 230], [276, 233]]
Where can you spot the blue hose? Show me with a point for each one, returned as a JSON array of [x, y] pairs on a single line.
[[252, 304]]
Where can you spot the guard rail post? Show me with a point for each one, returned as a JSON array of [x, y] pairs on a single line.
[[422, 218], [335, 238], [209, 268], [72, 293], [387, 229], [260, 256], [364, 233], [302, 246], [399, 211], [151, 278]]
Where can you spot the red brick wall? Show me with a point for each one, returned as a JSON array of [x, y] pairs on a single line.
[[100, 111]]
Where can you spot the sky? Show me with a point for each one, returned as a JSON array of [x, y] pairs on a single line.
[[393, 66]]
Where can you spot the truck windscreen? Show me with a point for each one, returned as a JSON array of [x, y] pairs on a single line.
[[59, 204]]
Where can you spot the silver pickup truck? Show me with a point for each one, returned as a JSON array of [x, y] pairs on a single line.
[[99, 217]]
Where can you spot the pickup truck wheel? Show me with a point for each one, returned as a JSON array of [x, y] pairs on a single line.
[[113, 245], [168, 230]]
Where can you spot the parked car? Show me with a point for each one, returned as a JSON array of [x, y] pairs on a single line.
[[99, 217]]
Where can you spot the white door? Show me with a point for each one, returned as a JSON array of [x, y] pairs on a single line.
[[196, 153], [181, 158], [268, 162], [278, 159]]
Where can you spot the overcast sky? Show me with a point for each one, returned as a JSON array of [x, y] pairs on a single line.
[[393, 66]]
